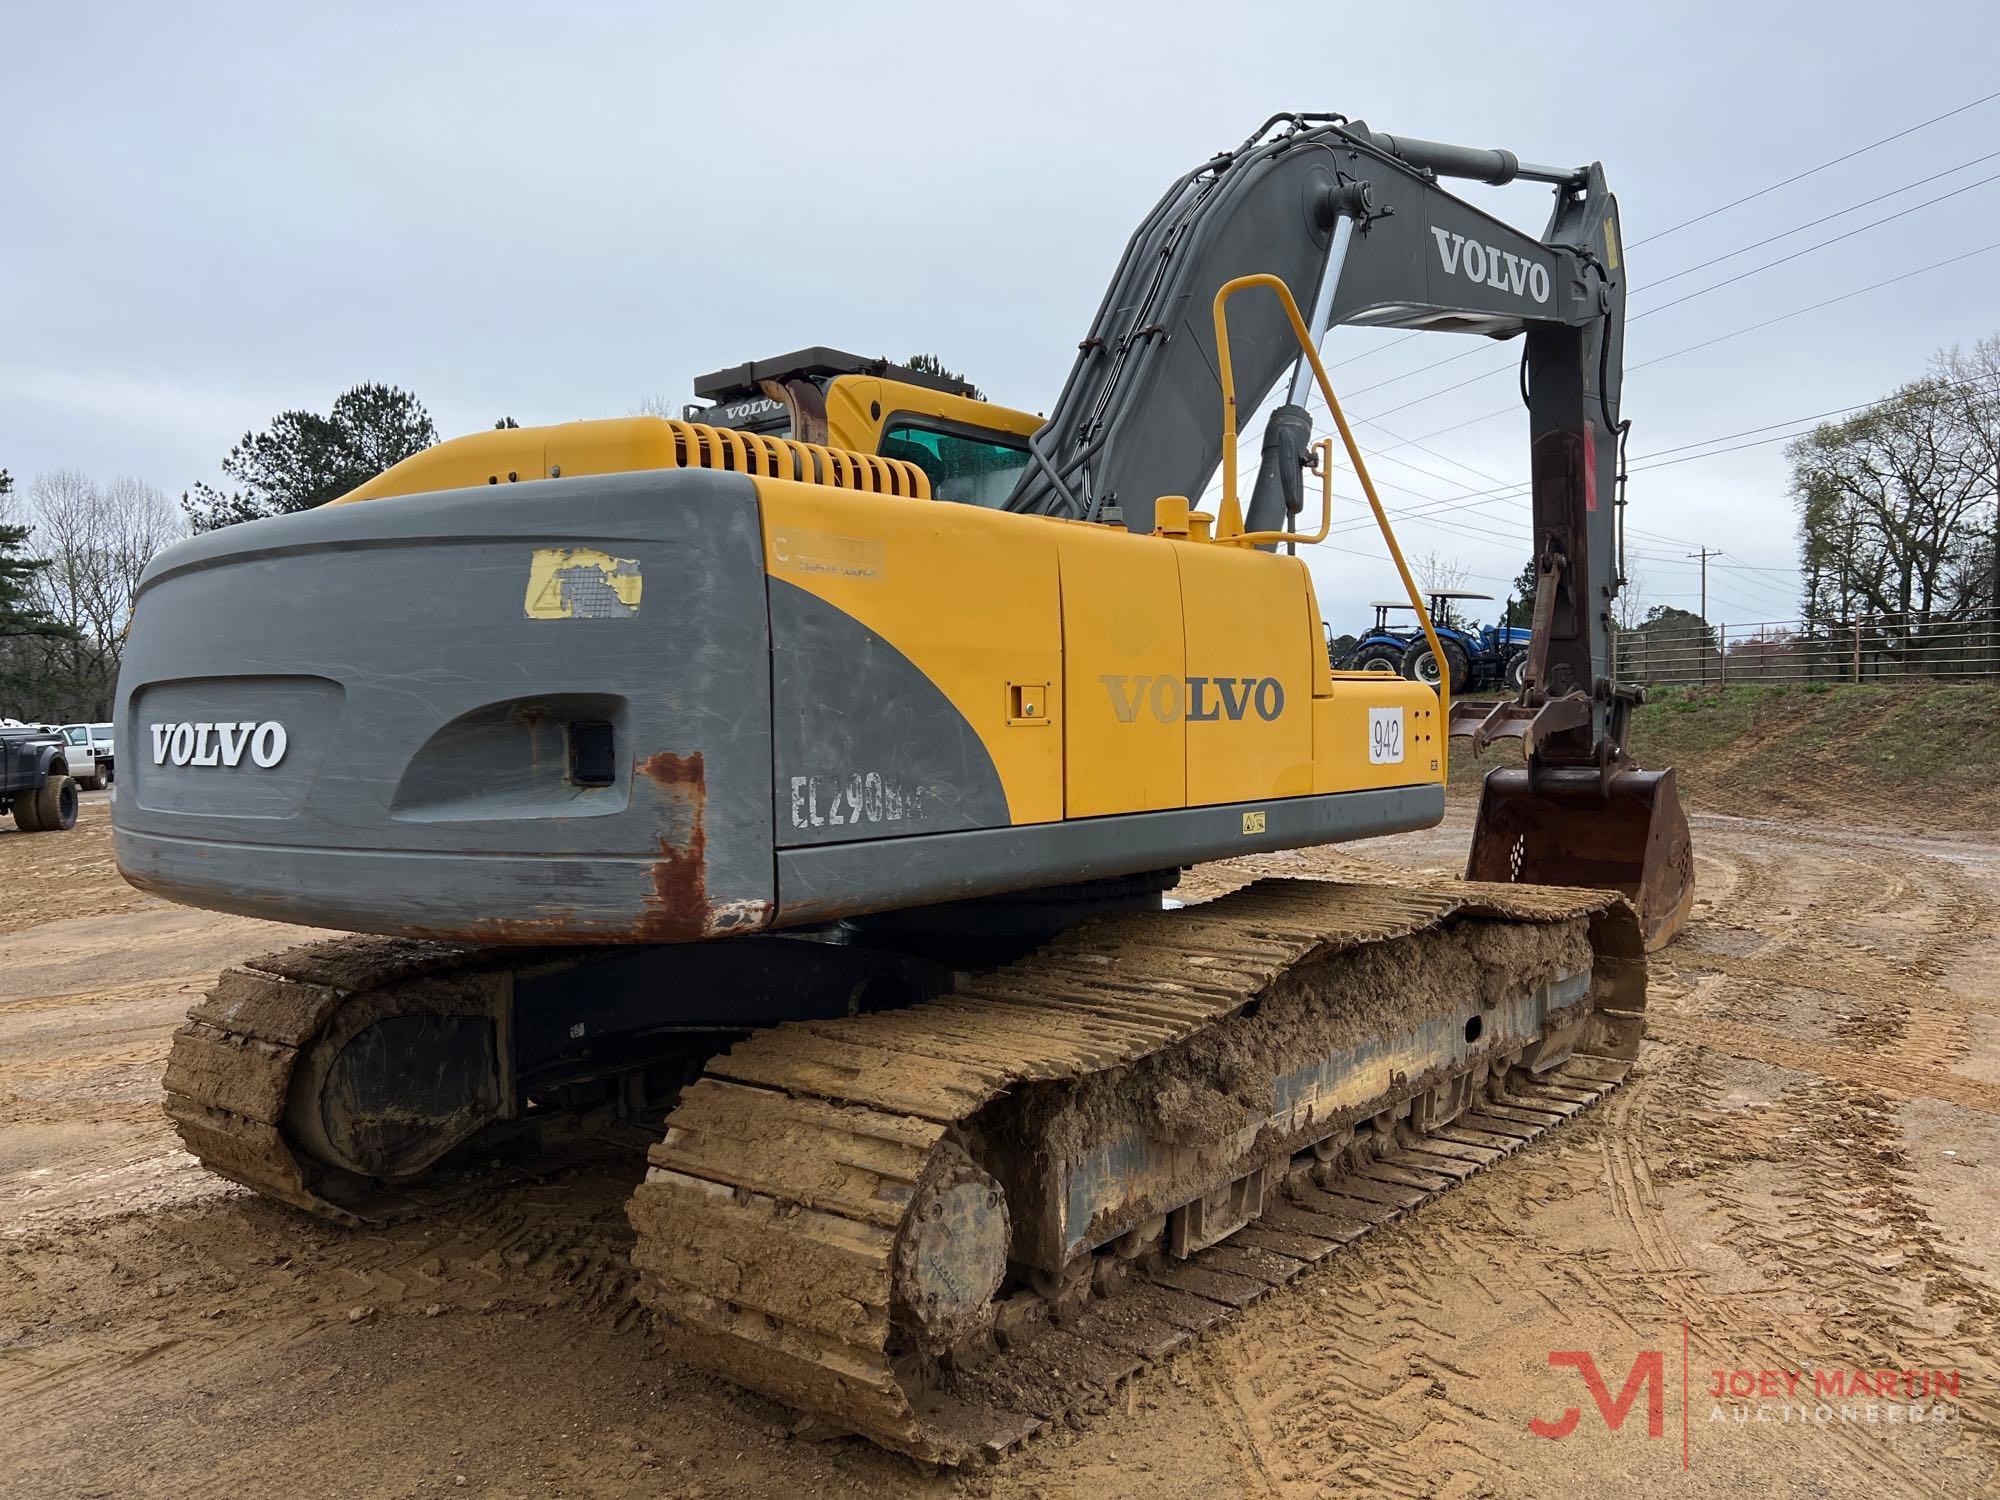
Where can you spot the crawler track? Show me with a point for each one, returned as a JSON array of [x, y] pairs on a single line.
[[775, 1222], [229, 1076], [777, 1226]]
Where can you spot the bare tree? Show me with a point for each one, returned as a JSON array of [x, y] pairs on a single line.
[[1628, 610], [1974, 383], [657, 406], [98, 540], [1887, 506], [1438, 574]]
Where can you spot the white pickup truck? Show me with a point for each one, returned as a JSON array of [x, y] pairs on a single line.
[[89, 755]]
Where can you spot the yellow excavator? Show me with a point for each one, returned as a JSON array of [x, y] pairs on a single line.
[[802, 783]]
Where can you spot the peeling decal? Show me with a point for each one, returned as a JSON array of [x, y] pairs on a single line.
[[799, 551], [852, 799], [581, 583], [1171, 702]]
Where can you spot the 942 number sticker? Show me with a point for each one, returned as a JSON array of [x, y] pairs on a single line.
[[1385, 736]]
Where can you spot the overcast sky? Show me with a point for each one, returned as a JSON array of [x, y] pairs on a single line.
[[214, 213]]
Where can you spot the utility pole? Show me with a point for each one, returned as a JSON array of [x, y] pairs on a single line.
[[1705, 554]]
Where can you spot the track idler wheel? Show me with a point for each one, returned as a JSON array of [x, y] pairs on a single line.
[[1625, 833], [951, 1254]]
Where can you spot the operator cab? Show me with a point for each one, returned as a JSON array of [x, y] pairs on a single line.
[[973, 450]]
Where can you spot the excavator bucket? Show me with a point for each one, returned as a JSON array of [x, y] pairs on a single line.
[[1569, 827]]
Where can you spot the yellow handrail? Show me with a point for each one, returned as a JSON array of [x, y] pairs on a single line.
[[1229, 525]]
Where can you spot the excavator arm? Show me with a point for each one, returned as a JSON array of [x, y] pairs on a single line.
[[1356, 225]]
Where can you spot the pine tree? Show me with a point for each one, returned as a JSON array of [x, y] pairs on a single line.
[[19, 615], [930, 364], [304, 459]]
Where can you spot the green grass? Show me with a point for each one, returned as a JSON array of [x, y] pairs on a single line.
[[1909, 752]]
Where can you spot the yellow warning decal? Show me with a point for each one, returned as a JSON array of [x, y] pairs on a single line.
[[1611, 243], [581, 583]]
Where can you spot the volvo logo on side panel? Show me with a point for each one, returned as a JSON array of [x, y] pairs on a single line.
[[1194, 700], [224, 743]]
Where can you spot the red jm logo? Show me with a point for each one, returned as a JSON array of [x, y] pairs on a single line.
[[1647, 1370]]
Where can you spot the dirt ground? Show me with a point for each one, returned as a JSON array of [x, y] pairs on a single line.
[[1803, 1176]]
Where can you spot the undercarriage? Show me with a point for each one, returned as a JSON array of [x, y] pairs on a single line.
[[943, 1208]]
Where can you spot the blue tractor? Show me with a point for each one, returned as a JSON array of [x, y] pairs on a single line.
[[1382, 646], [1480, 658]]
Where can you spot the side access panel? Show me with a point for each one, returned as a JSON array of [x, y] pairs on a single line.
[[1249, 684], [1375, 730], [916, 659], [1125, 688]]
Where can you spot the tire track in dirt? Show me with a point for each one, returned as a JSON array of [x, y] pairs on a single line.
[[1718, 1325], [1854, 1240], [1403, 1374], [1849, 1237], [1893, 1075], [208, 1280], [1881, 938], [1830, 977]]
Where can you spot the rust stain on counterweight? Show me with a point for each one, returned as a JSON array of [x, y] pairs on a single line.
[[678, 910]]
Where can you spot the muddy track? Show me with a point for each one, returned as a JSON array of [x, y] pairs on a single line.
[[783, 1269]]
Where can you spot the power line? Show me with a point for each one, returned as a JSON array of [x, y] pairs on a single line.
[[1467, 353], [1706, 343], [1759, 567], [1510, 493], [1821, 245], [1513, 407], [1765, 591], [1811, 171], [1674, 562], [1869, 202], [1515, 492], [1418, 370], [1403, 442], [1815, 307], [1378, 349], [1817, 416]]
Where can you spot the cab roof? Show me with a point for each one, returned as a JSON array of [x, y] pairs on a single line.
[[816, 363]]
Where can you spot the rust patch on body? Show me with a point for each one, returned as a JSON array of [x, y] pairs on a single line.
[[677, 911]]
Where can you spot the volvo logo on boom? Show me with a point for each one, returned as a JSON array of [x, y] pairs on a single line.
[[1499, 269], [222, 743], [1194, 700]]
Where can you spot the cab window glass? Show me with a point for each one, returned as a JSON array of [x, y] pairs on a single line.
[[77, 736], [970, 470]]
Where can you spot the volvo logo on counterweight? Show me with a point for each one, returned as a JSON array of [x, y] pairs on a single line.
[[219, 743]]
